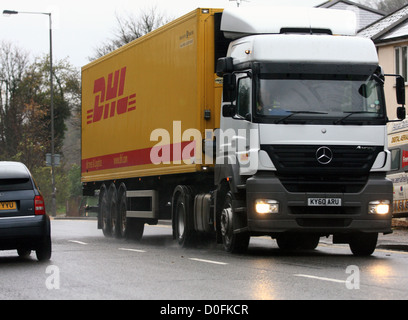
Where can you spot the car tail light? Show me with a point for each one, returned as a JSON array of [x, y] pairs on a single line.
[[39, 206]]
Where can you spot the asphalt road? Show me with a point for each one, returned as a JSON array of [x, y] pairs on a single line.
[[86, 265]]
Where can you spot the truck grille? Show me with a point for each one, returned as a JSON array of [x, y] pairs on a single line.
[[299, 170]]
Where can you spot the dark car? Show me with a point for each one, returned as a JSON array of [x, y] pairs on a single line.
[[24, 224]]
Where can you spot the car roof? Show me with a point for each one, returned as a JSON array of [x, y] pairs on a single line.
[[13, 170]]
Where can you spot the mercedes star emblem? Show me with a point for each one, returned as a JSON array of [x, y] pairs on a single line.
[[324, 155]]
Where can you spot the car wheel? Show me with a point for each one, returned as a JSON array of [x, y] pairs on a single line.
[[43, 253], [23, 253]]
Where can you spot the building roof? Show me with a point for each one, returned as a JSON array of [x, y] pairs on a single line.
[[390, 27], [365, 15]]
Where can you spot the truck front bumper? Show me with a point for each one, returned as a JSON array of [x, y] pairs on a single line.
[[296, 215]]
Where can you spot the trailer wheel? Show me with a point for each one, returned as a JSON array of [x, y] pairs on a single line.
[[113, 210], [134, 229], [233, 242], [363, 244], [182, 216], [104, 212], [122, 208], [128, 228]]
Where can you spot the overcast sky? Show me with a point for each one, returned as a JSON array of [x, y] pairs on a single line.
[[81, 25]]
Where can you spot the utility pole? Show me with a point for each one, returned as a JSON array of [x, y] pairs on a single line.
[[54, 196]]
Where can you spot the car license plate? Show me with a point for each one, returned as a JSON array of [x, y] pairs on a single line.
[[8, 206], [324, 202]]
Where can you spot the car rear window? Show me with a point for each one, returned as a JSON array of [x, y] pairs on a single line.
[[15, 184]]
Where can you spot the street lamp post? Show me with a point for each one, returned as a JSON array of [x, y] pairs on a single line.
[[54, 202]]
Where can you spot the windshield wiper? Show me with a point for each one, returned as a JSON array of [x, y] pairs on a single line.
[[350, 113], [298, 112]]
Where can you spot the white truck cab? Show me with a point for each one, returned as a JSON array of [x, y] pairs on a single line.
[[303, 133]]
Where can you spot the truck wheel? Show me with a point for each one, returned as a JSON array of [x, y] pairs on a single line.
[[104, 212], [233, 242], [182, 216], [122, 220], [134, 229], [310, 242], [113, 210], [363, 244], [291, 242]]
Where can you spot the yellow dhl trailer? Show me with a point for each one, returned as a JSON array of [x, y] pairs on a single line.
[[148, 85], [240, 123], [146, 109]]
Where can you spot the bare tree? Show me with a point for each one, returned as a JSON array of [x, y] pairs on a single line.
[[131, 27], [391, 5], [387, 6]]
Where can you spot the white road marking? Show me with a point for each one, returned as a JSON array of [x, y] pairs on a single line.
[[319, 278], [133, 250], [208, 261], [78, 242]]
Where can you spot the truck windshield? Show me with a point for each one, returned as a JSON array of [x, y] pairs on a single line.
[[335, 99]]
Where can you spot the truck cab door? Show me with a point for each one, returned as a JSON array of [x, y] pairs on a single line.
[[240, 134]]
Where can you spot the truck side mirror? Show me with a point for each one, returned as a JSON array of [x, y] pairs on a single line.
[[224, 65], [400, 90], [229, 86]]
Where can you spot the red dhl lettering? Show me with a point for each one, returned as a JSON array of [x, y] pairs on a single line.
[[109, 100]]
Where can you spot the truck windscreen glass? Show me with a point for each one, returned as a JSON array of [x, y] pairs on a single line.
[[336, 99]]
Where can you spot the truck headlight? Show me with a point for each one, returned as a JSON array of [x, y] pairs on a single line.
[[264, 206], [379, 207]]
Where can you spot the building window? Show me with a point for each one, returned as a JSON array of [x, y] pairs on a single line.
[[401, 61]]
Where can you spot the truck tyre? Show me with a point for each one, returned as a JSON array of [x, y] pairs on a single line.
[[104, 212], [113, 210], [182, 216], [363, 244], [233, 242], [134, 229], [292, 242], [122, 208], [310, 242]]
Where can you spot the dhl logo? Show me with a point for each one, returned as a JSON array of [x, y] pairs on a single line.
[[109, 100]]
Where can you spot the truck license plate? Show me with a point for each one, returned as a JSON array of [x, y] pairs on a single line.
[[324, 202]]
